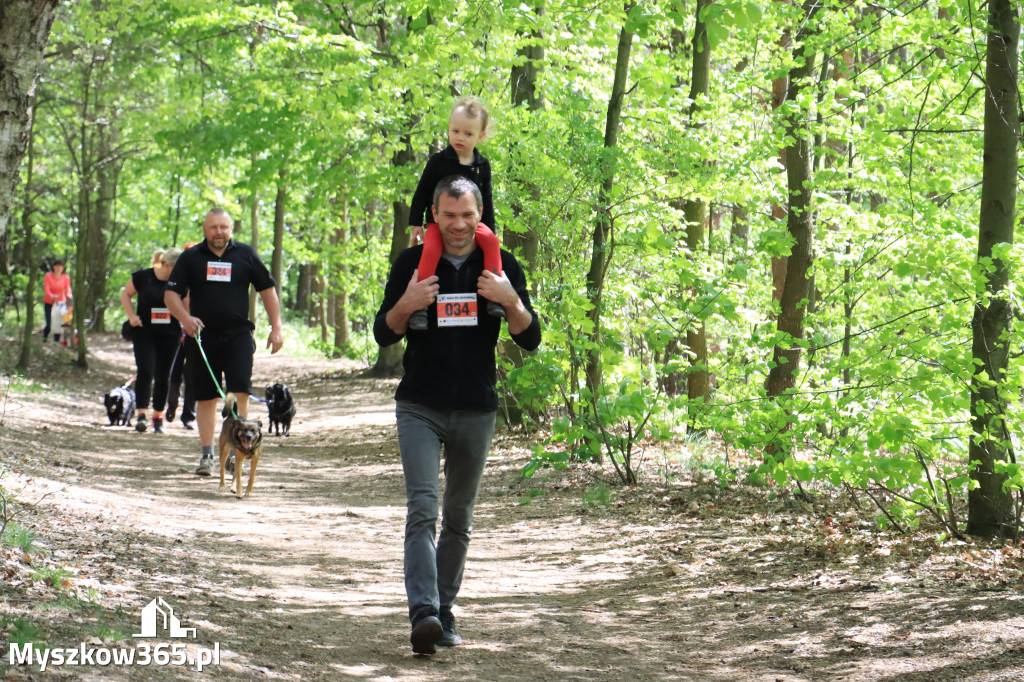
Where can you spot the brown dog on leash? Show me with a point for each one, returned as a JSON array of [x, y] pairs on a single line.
[[245, 438]]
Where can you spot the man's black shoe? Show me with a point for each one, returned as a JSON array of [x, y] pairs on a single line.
[[496, 310], [418, 320], [426, 633], [448, 635]]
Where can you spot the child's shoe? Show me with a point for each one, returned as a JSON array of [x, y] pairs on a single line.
[[418, 320], [495, 310], [140, 424], [158, 424]]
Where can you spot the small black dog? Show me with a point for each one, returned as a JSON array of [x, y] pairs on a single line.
[[281, 408], [120, 404]]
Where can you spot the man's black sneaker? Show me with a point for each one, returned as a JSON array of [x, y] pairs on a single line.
[[158, 425], [140, 424], [495, 310], [426, 634], [418, 320], [188, 426], [171, 409], [448, 635]]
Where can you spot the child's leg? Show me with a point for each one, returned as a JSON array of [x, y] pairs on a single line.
[[433, 245], [488, 241]]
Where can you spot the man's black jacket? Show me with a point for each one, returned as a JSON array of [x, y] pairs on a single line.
[[452, 368]]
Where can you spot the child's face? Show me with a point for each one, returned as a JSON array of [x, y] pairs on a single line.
[[464, 133]]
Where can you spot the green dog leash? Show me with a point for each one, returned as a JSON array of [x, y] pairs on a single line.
[[199, 342]]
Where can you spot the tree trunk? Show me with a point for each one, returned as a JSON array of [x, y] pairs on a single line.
[[389, 359], [601, 253], [28, 232], [990, 507], [695, 213], [303, 288], [780, 89], [523, 88], [740, 231], [254, 233], [24, 30], [315, 310], [339, 296], [277, 258], [786, 356], [85, 174], [101, 226]]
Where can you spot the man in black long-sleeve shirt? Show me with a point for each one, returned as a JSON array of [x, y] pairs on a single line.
[[448, 397]]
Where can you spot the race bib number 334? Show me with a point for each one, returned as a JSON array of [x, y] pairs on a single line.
[[218, 272], [456, 310]]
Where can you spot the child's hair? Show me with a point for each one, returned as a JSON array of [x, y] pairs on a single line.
[[474, 108]]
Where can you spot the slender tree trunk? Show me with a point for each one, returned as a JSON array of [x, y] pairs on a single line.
[[28, 231], [341, 322], [389, 359], [525, 92], [101, 226], [340, 295], [303, 289], [277, 258], [602, 242], [24, 30], [85, 180], [315, 311], [786, 356], [780, 91], [990, 507], [523, 88], [695, 213], [739, 233], [254, 232]]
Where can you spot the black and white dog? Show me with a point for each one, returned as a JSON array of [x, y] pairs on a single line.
[[281, 409], [120, 404]]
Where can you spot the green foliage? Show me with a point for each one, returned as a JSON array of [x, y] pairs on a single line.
[[53, 576], [20, 632], [17, 536], [108, 634], [596, 495], [530, 496]]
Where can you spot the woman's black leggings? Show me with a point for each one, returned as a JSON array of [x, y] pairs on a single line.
[[47, 311], [154, 354]]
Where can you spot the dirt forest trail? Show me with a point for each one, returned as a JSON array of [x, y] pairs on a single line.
[[303, 581]]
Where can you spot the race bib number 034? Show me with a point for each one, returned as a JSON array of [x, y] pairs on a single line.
[[218, 272], [456, 310]]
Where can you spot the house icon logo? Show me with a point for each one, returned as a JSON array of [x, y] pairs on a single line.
[[156, 610]]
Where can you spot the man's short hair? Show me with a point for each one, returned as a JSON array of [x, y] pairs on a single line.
[[218, 210], [457, 185]]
